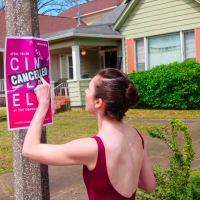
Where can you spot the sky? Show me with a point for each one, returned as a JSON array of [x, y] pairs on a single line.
[[65, 4], [68, 3]]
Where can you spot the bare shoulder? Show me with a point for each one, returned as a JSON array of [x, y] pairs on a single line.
[[133, 135], [84, 145], [129, 130]]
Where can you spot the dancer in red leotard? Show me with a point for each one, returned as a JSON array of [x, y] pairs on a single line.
[[115, 161]]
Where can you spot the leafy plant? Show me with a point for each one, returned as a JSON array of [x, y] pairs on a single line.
[[174, 182], [172, 86]]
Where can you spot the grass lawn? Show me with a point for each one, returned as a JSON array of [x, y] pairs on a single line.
[[64, 130], [143, 114]]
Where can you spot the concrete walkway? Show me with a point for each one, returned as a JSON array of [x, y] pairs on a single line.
[[66, 182]]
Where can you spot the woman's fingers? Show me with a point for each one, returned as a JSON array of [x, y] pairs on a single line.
[[42, 91], [43, 80]]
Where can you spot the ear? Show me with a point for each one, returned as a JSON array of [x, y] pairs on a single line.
[[98, 103]]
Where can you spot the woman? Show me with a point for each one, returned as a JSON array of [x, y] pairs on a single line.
[[115, 162]]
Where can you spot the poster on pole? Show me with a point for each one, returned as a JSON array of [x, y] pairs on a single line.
[[26, 59]]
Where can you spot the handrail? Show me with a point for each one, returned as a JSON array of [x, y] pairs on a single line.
[[60, 90]]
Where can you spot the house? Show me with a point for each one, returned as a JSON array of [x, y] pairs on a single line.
[[89, 48], [91, 11], [77, 53], [159, 32], [135, 36]]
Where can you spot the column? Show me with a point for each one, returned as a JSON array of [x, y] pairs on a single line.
[[76, 62]]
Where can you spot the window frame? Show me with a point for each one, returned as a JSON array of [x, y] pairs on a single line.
[[146, 56]]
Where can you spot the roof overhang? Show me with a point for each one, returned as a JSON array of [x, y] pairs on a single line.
[[127, 11], [73, 35]]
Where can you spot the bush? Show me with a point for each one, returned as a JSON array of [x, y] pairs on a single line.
[[195, 182], [174, 182], [172, 86]]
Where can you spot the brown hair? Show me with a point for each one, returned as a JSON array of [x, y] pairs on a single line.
[[117, 92]]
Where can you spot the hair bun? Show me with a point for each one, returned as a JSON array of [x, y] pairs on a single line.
[[132, 96]]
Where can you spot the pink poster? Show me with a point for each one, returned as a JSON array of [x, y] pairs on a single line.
[[26, 59]]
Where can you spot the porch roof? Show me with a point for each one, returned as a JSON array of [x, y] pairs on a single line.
[[95, 31]]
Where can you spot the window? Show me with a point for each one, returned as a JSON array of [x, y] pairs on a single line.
[[70, 67], [189, 45], [164, 49], [140, 55]]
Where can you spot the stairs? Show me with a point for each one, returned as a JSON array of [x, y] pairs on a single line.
[[58, 101], [60, 96]]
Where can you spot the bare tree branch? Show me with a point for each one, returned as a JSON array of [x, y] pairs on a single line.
[[52, 7]]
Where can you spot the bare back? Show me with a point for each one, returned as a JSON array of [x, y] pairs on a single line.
[[124, 158]]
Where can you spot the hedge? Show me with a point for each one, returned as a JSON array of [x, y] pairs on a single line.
[[172, 86]]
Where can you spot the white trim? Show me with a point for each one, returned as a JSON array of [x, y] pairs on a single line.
[[2, 49], [2, 95], [95, 12], [146, 56], [134, 56], [182, 46], [85, 79], [83, 35], [60, 63], [76, 61], [124, 56], [67, 62]]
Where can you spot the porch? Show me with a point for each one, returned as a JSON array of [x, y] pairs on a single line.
[[76, 58]]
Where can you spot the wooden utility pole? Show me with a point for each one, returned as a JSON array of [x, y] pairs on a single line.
[[31, 180]]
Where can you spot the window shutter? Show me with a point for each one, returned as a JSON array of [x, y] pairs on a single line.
[[130, 55], [197, 43]]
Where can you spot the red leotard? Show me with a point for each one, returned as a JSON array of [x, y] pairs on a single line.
[[97, 181]]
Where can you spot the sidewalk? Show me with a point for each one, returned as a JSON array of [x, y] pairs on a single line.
[[66, 182]]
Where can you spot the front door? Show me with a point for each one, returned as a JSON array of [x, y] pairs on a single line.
[[108, 58]]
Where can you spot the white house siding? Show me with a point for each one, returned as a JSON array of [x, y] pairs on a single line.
[[77, 92], [74, 93], [156, 17], [83, 85], [55, 67], [89, 63]]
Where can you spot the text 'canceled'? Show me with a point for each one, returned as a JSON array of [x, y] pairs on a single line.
[[28, 76]]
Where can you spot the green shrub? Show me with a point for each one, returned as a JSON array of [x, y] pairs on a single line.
[[172, 86], [174, 182], [195, 182]]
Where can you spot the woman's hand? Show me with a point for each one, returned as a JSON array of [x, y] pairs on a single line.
[[42, 92]]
